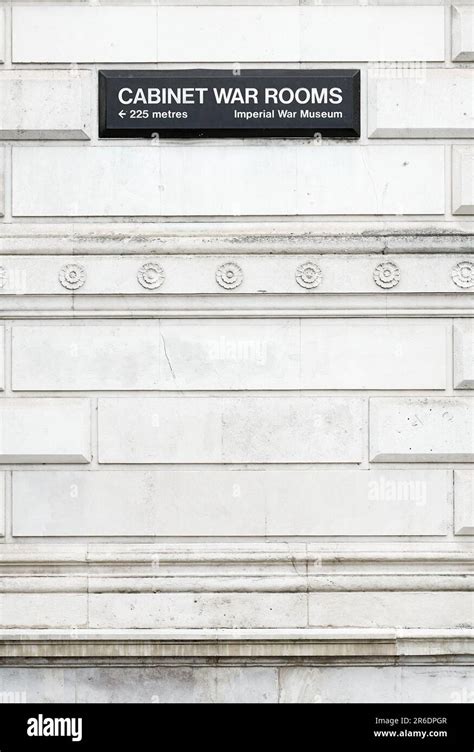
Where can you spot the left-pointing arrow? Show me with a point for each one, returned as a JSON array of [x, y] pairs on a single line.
[[122, 113]]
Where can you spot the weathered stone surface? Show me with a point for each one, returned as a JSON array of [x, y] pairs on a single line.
[[375, 355], [89, 356], [2, 176], [442, 610], [231, 429], [371, 684], [45, 430], [304, 354], [62, 34], [462, 48], [45, 104], [464, 354], [177, 685], [438, 102], [235, 684], [287, 237], [464, 502], [197, 610], [2, 35], [154, 685], [463, 180], [227, 180], [2, 503], [420, 429], [40, 610], [247, 34], [306, 34], [2, 358], [241, 502]]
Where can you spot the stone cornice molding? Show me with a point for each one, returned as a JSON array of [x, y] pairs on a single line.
[[135, 647], [235, 237]]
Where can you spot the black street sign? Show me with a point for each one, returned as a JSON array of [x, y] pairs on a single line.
[[226, 103]]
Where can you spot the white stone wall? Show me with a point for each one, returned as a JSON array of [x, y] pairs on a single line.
[[261, 490]]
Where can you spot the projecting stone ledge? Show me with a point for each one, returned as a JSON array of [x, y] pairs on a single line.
[[390, 646], [214, 237]]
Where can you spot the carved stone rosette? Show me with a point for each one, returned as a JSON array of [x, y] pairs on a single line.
[[308, 275], [151, 275], [387, 275], [229, 275], [72, 276]]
